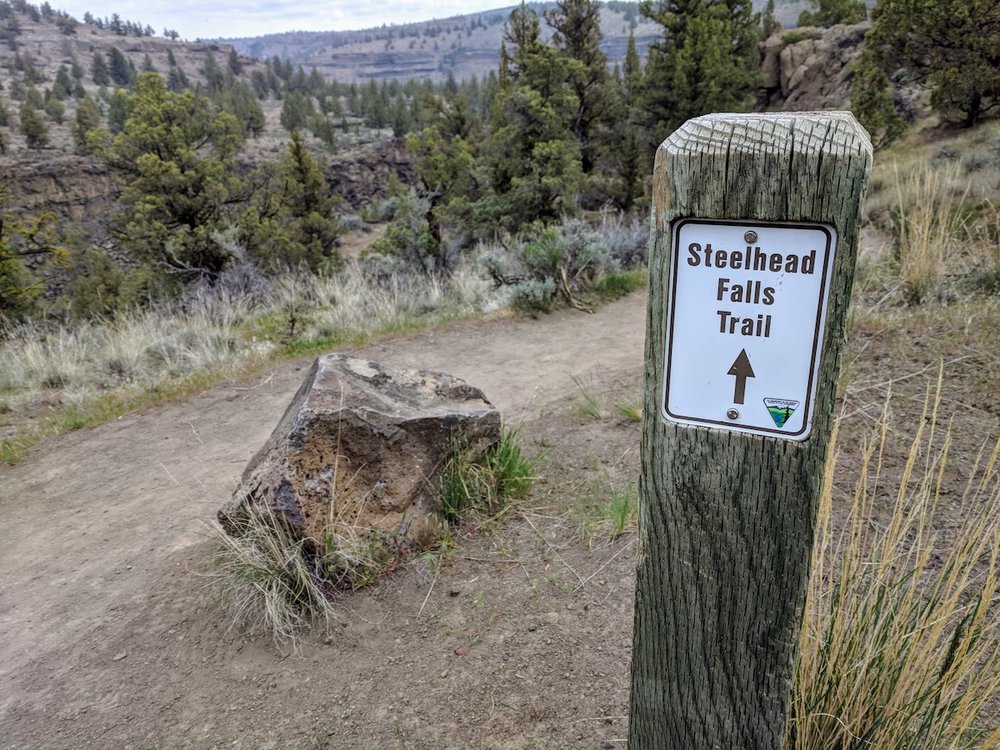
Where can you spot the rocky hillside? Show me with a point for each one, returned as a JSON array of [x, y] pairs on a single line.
[[810, 69], [463, 46]]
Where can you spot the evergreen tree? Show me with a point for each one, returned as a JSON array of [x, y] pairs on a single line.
[[871, 101], [626, 131], [99, 70], [175, 154], [177, 81], [238, 99], [88, 118], [21, 240], [706, 61], [147, 64], [33, 127], [577, 34], [120, 67], [533, 158], [62, 87], [118, 111], [296, 111], [214, 76], [235, 65], [768, 23], [952, 46], [831, 12], [55, 109], [293, 222]]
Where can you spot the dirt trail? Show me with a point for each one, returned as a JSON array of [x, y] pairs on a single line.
[[108, 638]]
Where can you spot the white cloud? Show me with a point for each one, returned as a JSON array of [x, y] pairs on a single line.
[[237, 18]]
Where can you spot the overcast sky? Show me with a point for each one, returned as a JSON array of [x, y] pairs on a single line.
[[208, 19]]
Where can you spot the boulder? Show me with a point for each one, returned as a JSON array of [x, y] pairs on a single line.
[[810, 68], [361, 447]]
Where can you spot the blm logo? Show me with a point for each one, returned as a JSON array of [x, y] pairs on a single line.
[[780, 409]]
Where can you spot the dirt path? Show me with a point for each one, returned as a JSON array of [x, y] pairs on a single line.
[[108, 637]]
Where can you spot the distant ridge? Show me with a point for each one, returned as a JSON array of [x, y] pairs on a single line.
[[462, 46]]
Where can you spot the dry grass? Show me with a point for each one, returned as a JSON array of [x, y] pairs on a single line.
[[928, 228], [277, 583], [901, 644], [84, 372]]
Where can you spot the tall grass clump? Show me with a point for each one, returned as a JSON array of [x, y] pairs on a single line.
[[901, 643], [268, 580], [486, 485], [928, 228]]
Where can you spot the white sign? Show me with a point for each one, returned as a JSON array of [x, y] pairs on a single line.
[[745, 320]]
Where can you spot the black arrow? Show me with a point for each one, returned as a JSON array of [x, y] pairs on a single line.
[[742, 370]]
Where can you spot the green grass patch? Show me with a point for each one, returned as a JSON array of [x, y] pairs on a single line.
[[621, 284], [486, 485], [608, 508]]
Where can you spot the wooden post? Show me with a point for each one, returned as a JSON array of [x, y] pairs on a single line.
[[755, 221]]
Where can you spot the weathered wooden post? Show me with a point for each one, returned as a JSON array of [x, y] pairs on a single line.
[[756, 223]]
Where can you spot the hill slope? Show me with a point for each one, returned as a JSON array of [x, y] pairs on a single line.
[[462, 46]]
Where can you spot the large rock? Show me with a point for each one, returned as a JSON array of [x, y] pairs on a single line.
[[362, 447], [810, 68]]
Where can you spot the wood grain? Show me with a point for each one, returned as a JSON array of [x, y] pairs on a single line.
[[727, 519]]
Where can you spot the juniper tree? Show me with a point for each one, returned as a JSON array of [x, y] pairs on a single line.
[[577, 34], [175, 156], [36, 135], [99, 69], [951, 46], [121, 69], [705, 61], [533, 158], [831, 12], [88, 118], [291, 219]]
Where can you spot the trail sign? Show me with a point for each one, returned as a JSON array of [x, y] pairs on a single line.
[[755, 222], [745, 324]]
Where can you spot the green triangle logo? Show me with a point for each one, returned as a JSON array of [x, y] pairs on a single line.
[[780, 409]]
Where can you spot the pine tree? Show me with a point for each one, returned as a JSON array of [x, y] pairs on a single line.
[[706, 61], [626, 130]]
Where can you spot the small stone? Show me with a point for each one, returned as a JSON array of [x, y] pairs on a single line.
[[454, 592], [444, 674], [463, 650], [532, 628], [119, 656]]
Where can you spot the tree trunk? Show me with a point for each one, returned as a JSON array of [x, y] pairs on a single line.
[[727, 519]]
